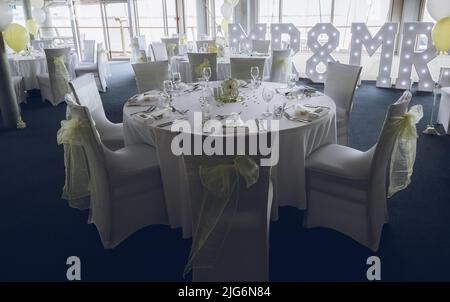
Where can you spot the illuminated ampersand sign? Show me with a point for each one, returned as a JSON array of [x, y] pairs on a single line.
[[385, 38], [322, 49], [412, 55]]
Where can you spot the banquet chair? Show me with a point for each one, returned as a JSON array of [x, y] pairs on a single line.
[[86, 94], [40, 45], [97, 68], [171, 45], [261, 46], [138, 52], [346, 188], [89, 52], [199, 60], [54, 84], [125, 185], [240, 67], [281, 65], [444, 77], [243, 252], [159, 51], [340, 85], [443, 115], [200, 44], [150, 75], [19, 89]]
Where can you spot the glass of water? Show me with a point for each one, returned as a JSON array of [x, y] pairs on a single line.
[[254, 72], [267, 95]]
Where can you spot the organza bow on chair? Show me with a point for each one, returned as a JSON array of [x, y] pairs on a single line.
[[76, 187], [219, 204], [62, 76], [404, 150]]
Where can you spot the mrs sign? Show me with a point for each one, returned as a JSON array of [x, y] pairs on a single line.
[[361, 37]]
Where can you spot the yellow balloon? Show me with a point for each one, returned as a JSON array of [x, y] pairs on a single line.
[[441, 35], [17, 37], [33, 27]]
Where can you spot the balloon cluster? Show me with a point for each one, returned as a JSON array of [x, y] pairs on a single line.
[[16, 36], [227, 11], [440, 11]]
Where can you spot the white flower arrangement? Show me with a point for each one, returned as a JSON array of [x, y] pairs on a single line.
[[230, 89]]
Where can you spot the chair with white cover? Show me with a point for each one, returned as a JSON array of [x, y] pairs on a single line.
[[89, 52], [198, 61], [237, 248], [138, 51], [150, 75], [261, 46], [201, 43], [86, 94], [281, 65], [125, 185], [172, 45], [240, 67], [346, 188], [40, 45], [159, 51], [340, 85], [97, 68], [54, 84]]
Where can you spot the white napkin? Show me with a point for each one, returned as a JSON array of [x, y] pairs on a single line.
[[143, 99], [310, 111], [145, 116]]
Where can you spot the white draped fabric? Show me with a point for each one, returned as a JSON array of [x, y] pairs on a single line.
[[181, 64], [443, 117], [297, 141], [29, 67]]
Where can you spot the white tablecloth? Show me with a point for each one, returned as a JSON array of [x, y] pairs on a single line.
[[181, 64], [29, 67], [444, 110], [297, 141]]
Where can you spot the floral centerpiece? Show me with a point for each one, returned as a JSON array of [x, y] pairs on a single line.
[[230, 91]]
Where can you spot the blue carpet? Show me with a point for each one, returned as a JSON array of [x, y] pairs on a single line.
[[38, 231]]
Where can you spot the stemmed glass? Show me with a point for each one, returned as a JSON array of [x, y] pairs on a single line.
[[207, 74], [176, 79], [168, 88], [254, 71], [292, 80], [268, 94]]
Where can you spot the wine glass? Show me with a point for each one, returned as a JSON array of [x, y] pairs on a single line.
[[207, 74], [267, 95], [254, 72], [176, 79], [292, 81], [168, 87]]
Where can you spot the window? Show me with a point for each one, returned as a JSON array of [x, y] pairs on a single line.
[[18, 14], [90, 22], [426, 15], [190, 19], [269, 11], [156, 19]]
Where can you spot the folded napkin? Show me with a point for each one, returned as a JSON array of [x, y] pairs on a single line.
[[145, 116], [309, 112], [143, 99]]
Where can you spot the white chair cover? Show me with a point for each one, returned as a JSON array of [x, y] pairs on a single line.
[[281, 65], [54, 85], [19, 89], [231, 200], [261, 46], [198, 61], [89, 52], [340, 85], [240, 67], [346, 188], [151, 75], [200, 43], [444, 80], [138, 52], [443, 116], [125, 186], [159, 51], [172, 45], [40, 45], [100, 69], [86, 94]]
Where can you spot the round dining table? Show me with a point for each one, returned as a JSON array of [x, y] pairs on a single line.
[[297, 140]]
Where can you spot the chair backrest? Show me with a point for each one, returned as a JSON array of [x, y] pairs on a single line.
[[150, 75], [281, 65], [142, 42], [341, 83], [198, 61], [444, 77], [40, 45], [240, 67], [96, 154], [89, 51], [251, 212], [172, 45], [86, 94], [200, 43], [261, 46], [159, 51], [59, 74]]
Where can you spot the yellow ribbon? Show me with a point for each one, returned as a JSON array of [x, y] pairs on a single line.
[[76, 186], [172, 49], [404, 150], [62, 76], [221, 188]]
